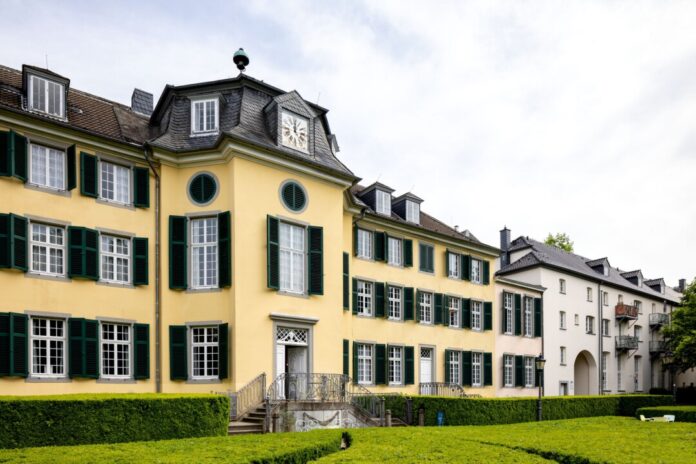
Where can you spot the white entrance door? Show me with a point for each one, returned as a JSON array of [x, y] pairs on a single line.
[[426, 367], [280, 369]]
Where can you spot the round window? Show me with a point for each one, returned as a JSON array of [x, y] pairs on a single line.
[[203, 188], [294, 196]]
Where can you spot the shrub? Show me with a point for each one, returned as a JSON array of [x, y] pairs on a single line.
[[681, 413], [107, 418]]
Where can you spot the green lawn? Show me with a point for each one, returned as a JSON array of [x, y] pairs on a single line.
[[588, 440]]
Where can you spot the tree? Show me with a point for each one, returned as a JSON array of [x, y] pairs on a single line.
[[560, 240], [680, 335]]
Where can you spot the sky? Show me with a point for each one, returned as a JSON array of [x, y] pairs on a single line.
[[542, 116]]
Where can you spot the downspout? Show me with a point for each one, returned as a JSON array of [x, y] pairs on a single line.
[[600, 333], [158, 274]]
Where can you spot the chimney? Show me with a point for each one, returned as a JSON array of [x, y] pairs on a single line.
[[141, 102], [682, 285], [504, 247], [456, 228]]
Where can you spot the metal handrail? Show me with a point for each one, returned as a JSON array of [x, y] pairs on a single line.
[[624, 310], [248, 397], [441, 389], [658, 318], [657, 346], [627, 342]]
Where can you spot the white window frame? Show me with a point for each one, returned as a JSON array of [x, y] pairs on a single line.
[[396, 251], [589, 294], [395, 365], [589, 324], [209, 349], [639, 306], [476, 315], [206, 129], [48, 248], [605, 327], [114, 343], [508, 304], [293, 276], [562, 286], [111, 260], [476, 270], [637, 332], [476, 369], [563, 320], [47, 340], [564, 358], [366, 298], [619, 379], [48, 85], [619, 298], [528, 317], [454, 265], [425, 307], [577, 319], [366, 364], [116, 183], [412, 212], [508, 371], [383, 202], [528, 372], [364, 245], [454, 311], [203, 249], [455, 364], [395, 297], [605, 298], [58, 182], [605, 379]]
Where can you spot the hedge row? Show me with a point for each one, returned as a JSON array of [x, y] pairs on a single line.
[[685, 395], [680, 413], [81, 419], [489, 411]]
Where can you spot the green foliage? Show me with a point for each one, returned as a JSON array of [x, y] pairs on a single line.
[[681, 333], [486, 411], [108, 418], [681, 413], [560, 240]]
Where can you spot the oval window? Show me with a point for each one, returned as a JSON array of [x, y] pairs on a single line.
[[202, 188], [294, 196]]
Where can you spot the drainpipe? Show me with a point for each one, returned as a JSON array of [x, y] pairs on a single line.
[[158, 274], [600, 326]]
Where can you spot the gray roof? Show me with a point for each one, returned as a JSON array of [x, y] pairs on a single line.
[[541, 254]]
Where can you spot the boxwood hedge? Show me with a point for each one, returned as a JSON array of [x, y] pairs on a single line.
[[681, 413], [108, 418]]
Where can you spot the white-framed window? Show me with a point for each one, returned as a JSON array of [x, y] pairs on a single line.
[[528, 371], [562, 286], [425, 307], [589, 293], [394, 302], [476, 315], [454, 369], [528, 317], [395, 362], [508, 299], [654, 307], [364, 364], [605, 298], [365, 244], [577, 319], [508, 376], [204, 116], [205, 353], [204, 253], [605, 380], [453, 263], [639, 306], [47, 249], [454, 304], [293, 258], [115, 257], [476, 373], [412, 212], [638, 378], [47, 167], [115, 182], [365, 291], [116, 350], [476, 267], [395, 257], [562, 318], [47, 347], [605, 327], [383, 202], [620, 299], [563, 356], [589, 324], [619, 379], [46, 96], [637, 330]]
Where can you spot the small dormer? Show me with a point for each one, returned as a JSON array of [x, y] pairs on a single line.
[[46, 92], [291, 122], [656, 284], [407, 207], [635, 277], [205, 114], [378, 197], [600, 266]]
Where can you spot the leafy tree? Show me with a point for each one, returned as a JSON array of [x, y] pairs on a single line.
[[681, 333], [560, 240]]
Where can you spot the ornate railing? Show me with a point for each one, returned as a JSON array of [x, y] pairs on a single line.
[[626, 311], [441, 389], [248, 397], [658, 346], [626, 342], [658, 319]]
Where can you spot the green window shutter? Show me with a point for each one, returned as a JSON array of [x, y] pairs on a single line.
[[178, 252], [4, 240], [91, 349], [5, 155], [486, 273], [18, 337], [89, 177], [141, 348], [538, 319], [518, 314], [431, 259], [466, 313], [76, 337], [346, 282], [355, 295], [141, 187], [178, 352], [379, 299], [76, 260], [19, 149], [380, 244], [224, 250], [18, 242], [355, 240], [448, 373], [71, 159], [438, 308], [422, 258], [487, 315], [140, 261], [519, 371], [416, 306], [346, 357], [447, 269], [223, 350], [380, 364], [487, 369], [5, 341], [316, 260], [408, 303], [408, 253], [273, 253], [91, 253], [355, 363], [409, 369], [503, 314], [466, 368], [465, 267]]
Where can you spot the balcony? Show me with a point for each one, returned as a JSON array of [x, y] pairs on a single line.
[[658, 347], [659, 319], [624, 311], [626, 342]]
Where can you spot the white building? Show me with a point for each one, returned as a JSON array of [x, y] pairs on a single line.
[[601, 324]]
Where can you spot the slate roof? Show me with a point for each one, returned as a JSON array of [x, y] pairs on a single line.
[[541, 254]]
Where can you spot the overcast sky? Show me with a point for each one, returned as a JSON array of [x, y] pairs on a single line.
[[578, 117]]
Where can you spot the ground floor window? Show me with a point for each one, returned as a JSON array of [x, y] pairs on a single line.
[[528, 372], [508, 361], [205, 352], [454, 367], [116, 350], [48, 347], [365, 364], [395, 365], [476, 361]]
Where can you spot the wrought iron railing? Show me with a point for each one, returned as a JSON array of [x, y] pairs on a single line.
[[658, 346], [248, 397], [441, 389], [626, 342], [657, 319], [626, 311]]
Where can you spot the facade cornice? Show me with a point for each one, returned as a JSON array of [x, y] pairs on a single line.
[[519, 284]]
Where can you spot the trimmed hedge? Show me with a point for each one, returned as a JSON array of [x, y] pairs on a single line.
[[681, 413], [29, 421], [489, 411]]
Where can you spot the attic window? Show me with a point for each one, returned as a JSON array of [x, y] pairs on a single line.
[[605, 269], [46, 96], [204, 116], [383, 203], [412, 212]]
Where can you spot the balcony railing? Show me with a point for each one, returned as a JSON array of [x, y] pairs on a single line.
[[626, 342], [441, 389], [658, 346], [658, 319], [624, 311]]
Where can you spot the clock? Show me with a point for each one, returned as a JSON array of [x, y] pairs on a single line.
[[294, 131]]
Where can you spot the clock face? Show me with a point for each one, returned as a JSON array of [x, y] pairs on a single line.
[[295, 133]]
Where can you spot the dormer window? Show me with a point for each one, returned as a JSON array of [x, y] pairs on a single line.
[[605, 270], [383, 203], [412, 212], [204, 116], [46, 96]]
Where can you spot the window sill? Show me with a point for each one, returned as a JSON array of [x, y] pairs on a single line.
[[48, 379], [203, 290], [203, 381], [365, 316], [562, 328], [115, 381], [52, 191], [366, 258], [564, 364], [425, 324], [33, 275], [393, 319], [427, 272], [116, 204], [398, 266], [456, 327], [114, 284], [205, 134], [457, 278], [295, 295]]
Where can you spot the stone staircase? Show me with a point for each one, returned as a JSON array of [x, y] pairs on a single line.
[[252, 422]]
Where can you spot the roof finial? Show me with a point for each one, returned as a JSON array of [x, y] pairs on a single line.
[[241, 59]]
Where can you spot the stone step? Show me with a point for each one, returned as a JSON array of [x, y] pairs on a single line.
[[241, 427]]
